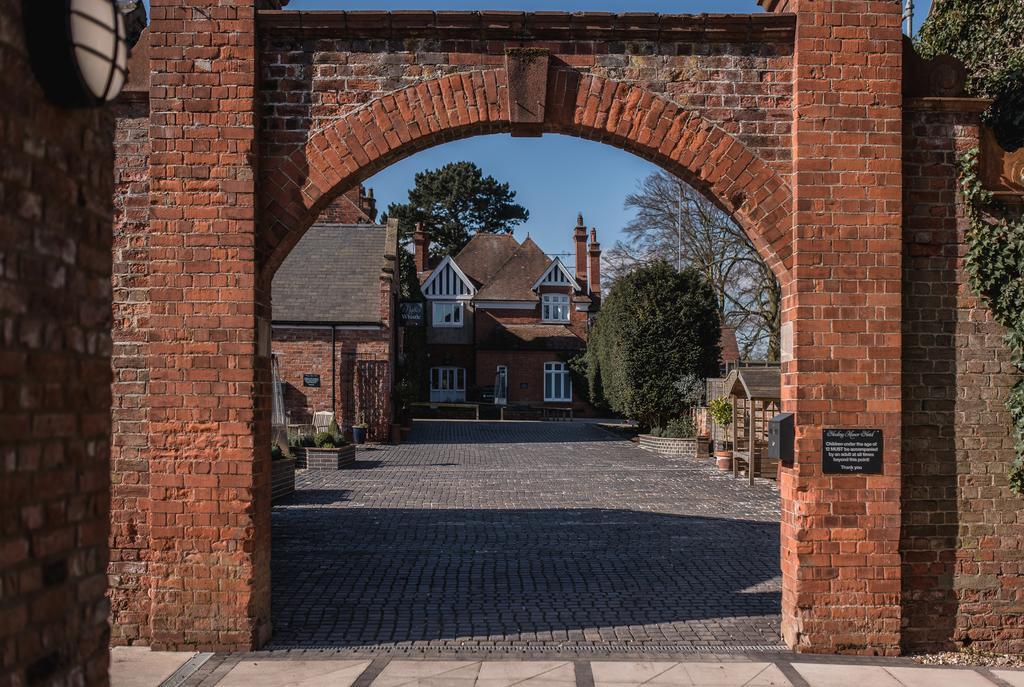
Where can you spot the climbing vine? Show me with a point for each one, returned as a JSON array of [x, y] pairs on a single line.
[[995, 267]]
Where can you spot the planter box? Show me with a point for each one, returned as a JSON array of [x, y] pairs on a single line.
[[324, 458], [282, 479], [694, 447]]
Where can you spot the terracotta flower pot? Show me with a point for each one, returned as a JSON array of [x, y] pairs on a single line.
[[723, 460]]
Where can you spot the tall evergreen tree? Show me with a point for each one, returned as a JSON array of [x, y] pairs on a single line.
[[454, 203], [655, 327]]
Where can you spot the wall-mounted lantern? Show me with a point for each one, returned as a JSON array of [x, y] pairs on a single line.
[[78, 49]]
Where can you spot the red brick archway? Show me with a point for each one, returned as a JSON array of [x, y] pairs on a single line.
[[299, 186], [796, 122]]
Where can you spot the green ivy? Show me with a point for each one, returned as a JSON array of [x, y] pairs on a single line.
[[995, 266]]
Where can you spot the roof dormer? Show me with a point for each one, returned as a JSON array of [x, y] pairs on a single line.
[[557, 275], [448, 282]]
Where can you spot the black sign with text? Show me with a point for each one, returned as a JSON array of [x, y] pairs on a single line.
[[413, 314], [311, 380], [851, 451]]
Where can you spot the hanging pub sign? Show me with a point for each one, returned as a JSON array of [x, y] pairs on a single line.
[[413, 314], [851, 451], [311, 380]]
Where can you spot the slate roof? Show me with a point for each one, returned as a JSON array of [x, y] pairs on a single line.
[[532, 337], [333, 275]]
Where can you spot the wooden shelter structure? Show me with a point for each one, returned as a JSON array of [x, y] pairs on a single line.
[[756, 399]]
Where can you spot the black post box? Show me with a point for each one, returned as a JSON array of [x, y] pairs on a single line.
[[781, 437]]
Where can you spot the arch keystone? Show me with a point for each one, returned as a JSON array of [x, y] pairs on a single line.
[[527, 70]]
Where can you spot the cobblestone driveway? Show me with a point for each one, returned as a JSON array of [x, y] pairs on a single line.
[[519, 535]]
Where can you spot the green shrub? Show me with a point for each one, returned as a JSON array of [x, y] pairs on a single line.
[[301, 441], [721, 412], [680, 428], [324, 440], [656, 327]]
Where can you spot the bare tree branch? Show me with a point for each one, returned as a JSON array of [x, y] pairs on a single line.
[[676, 223]]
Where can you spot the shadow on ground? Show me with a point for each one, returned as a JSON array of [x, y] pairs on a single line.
[[345, 577]]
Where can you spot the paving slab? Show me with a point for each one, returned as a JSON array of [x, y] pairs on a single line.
[[938, 677], [838, 675], [1013, 677], [319, 673], [137, 666], [477, 674], [686, 674]]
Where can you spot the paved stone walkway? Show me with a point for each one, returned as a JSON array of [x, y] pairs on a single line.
[[530, 537], [137, 668]]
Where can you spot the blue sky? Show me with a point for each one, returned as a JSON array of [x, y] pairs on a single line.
[[555, 176]]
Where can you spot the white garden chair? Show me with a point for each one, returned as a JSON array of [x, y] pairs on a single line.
[[322, 421]]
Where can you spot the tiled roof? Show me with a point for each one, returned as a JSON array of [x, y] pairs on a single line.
[[515, 280], [484, 256], [538, 337], [333, 275]]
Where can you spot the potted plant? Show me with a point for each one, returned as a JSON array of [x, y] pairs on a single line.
[[721, 412], [325, 451], [359, 431]]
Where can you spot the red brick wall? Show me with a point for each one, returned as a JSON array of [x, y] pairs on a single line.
[[303, 351], [524, 367], [962, 571], [734, 98], [56, 186], [840, 534], [355, 206], [129, 536]]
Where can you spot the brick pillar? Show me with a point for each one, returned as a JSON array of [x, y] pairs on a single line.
[[208, 353], [841, 340]]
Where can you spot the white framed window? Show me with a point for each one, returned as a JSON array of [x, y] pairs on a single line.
[[557, 383], [554, 307], [447, 384], [447, 314]]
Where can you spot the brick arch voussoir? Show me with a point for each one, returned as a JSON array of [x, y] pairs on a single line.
[[687, 145], [348, 150]]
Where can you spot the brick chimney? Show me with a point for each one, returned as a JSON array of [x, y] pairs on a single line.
[[422, 243], [595, 264], [368, 203], [580, 237]]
